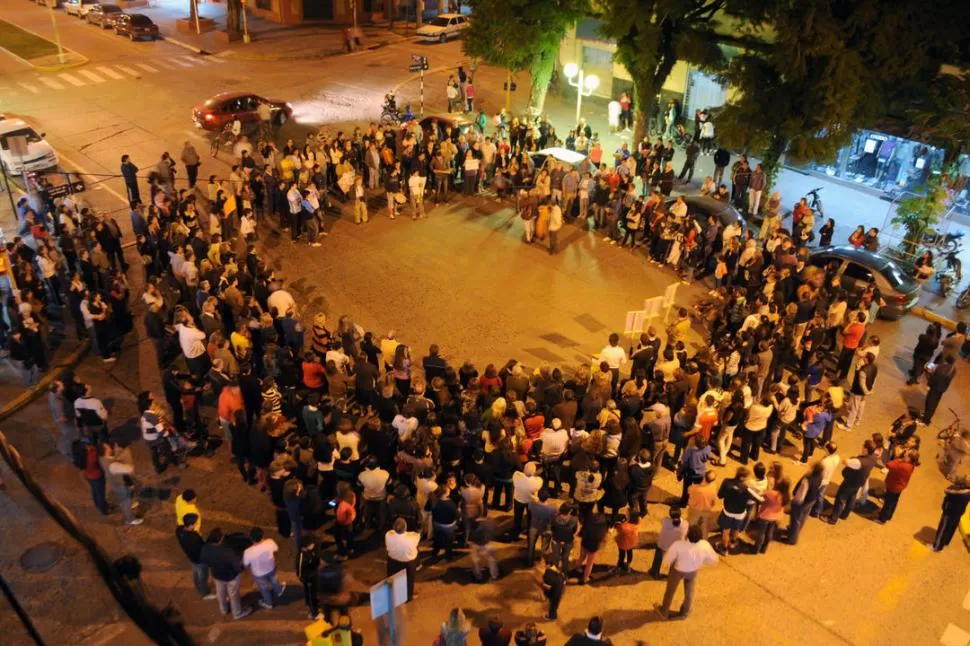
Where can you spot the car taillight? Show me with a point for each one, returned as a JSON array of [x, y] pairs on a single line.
[[209, 117], [903, 298]]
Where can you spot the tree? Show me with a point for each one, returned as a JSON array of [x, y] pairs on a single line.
[[522, 35], [941, 115], [918, 214], [652, 35], [234, 11], [834, 67]]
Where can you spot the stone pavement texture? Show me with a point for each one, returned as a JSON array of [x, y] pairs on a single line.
[[461, 278]]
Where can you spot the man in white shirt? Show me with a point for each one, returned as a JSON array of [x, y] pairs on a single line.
[[259, 559], [685, 557], [281, 301], [416, 184], [555, 223], [402, 552], [614, 356], [192, 342], [829, 464], [555, 441], [525, 485], [405, 426], [374, 481]]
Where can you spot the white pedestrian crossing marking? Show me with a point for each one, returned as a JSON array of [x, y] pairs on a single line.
[[181, 63], [110, 73], [51, 83], [73, 80], [128, 70], [147, 68], [216, 59], [164, 64], [195, 60], [88, 74], [30, 88]]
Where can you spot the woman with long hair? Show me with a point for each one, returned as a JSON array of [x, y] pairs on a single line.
[[402, 370]]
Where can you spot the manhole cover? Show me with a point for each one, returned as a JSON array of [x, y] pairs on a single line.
[[41, 558]]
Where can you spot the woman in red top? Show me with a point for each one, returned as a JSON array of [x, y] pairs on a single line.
[[95, 477], [490, 382], [343, 527], [900, 471], [772, 509], [858, 237], [627, 539]]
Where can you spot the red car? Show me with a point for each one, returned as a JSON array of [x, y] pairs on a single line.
[[223, 108]]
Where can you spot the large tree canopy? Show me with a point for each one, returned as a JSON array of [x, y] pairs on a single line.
[[835, 66], [652, 35], [522, 35]]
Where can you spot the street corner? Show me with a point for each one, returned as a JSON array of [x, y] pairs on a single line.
[[50, 64]]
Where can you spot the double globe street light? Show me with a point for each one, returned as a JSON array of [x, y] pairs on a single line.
[[585, 85]]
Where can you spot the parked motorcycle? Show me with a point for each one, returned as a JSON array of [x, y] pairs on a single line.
[[946, 242], [945, 280], [963, 300], [815, 202], [953, 262]]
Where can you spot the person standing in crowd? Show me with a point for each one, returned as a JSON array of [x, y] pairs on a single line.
[[226, 568], [807, 492], [308, 571], [260, 559], [955, 500], [192, 162], [855, 475], [685, 558], [191, 542], [129, 172], [862, 384], [402, 552], [551, 580], [899, 471], [672, 529], [939, 380], [525, 486]]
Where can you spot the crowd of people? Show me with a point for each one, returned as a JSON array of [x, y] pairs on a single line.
[[357, 435]]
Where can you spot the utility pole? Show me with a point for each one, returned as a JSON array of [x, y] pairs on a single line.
[[61, 58], [246, 38]]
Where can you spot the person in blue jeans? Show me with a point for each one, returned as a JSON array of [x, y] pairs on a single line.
[[260, 560]]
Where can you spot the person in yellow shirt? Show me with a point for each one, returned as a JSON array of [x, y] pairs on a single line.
[[186, 503]]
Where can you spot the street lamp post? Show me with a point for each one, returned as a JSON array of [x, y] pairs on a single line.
[[585, 85]]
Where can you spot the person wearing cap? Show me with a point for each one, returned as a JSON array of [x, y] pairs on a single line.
[[555, 441], [525, 485]]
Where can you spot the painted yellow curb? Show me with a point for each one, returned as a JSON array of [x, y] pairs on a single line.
[[924, 313], [63, 66]]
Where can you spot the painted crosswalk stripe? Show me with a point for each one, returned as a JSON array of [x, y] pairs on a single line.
[[51, 83], [110, 73], [181, 63], [88, 74], [195, 60], [30, 88], [147, 68], [73, 80], [216, 59], [127, 70], [164, 64]]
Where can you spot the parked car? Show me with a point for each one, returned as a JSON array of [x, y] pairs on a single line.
[[458, 124], [135, 26], [223, 108], [79, 8], [701, 207], [40, 155], [858, 267], [104, 15], [54, 4], [442, 27]]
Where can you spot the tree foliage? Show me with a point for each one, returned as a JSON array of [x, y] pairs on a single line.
[[522, 35], [919, 213], [834, 67], [941, 115], [652, 35]]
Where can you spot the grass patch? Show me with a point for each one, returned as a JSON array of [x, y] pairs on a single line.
[[23, 43]]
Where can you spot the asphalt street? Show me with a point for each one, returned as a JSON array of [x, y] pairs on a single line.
[[463, 279]]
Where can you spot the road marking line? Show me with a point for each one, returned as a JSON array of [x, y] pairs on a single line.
[[80, 169], [30, 88], [51, 83], [194, 61], [216, 59], [164, 63], [91, 75], [181, 63], [966, 601], [110, 73], [128, 70], [147, 68], [73, 80]]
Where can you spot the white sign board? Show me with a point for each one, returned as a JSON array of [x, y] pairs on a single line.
[[388, 594], [17, 145], [670, 294], [653, 307]]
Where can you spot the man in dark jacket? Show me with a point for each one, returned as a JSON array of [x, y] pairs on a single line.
[[939, 381], [226, 567], [130, 174], [721, 160], [955, 501], [192, 543]]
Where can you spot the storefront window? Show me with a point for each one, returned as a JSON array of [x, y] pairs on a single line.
[[883, 162]]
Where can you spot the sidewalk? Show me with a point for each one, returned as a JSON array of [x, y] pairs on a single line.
[[270, 41]]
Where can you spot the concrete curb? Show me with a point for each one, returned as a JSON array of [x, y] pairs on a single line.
[[65, 66], [235, 55], [415, 79], [932, 317], [185, 45], [38, 389], [47, 68]]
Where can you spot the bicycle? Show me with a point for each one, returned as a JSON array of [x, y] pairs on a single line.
[[220, 138], [954, 448]]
